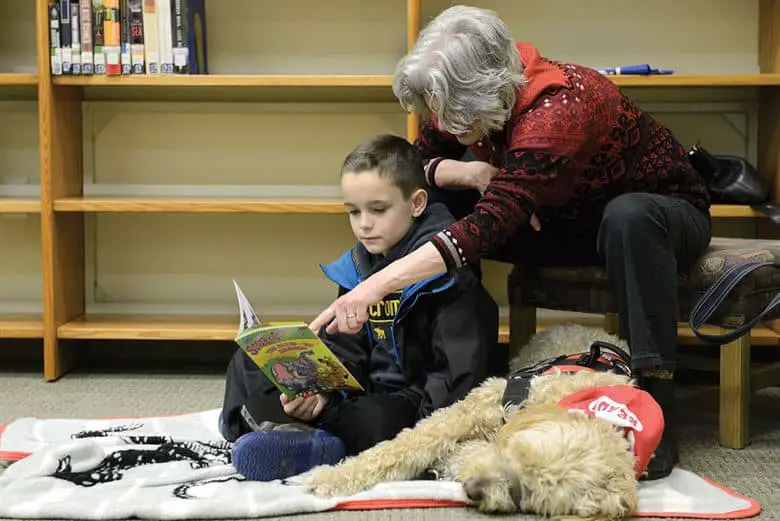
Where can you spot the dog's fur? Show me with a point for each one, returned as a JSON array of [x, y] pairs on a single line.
[[537, 459]]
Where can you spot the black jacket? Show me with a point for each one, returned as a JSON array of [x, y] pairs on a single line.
[[431, 341]]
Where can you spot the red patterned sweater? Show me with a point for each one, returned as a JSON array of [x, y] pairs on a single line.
[[573, 143]]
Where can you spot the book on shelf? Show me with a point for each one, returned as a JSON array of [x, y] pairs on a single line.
[[112, 43], [290, 354], [86, 37], [166, 36], [55, 41], [126, 60], [66, 36], [127, 37], [151, 36], [75, 36], [98, 36], [137, 49]]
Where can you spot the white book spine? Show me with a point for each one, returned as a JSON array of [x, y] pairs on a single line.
[[166, 36]]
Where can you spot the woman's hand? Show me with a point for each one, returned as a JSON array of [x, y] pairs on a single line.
[[479, 175], [349, 312], [304, 408]]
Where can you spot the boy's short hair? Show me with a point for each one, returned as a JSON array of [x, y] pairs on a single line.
[[392, 157]]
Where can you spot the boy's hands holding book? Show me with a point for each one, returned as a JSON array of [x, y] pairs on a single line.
[[304, 408]]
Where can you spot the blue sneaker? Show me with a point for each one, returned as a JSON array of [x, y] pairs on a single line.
[[280, 454]]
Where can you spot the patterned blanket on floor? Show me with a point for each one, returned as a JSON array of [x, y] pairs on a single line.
[[178, 467]]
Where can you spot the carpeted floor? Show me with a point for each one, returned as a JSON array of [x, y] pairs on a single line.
[[754, 472]]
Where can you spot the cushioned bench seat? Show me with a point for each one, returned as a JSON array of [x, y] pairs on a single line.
[[585, 290]]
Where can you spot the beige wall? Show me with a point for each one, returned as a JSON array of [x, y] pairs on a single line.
[[17, 36], [296, 149]]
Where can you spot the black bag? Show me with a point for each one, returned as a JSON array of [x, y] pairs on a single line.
[[731, 179], [717, 293]]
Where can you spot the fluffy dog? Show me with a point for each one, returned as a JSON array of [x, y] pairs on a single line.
[[571, 448]]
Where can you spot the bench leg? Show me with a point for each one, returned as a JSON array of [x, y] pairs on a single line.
[[612, 324], [522, 326], [735, 393]]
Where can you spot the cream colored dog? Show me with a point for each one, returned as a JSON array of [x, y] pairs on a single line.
[[536, 458]]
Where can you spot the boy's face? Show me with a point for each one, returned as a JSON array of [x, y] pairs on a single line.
[[379, 213]]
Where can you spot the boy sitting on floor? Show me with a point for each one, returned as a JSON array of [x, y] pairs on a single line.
[[422, 349]]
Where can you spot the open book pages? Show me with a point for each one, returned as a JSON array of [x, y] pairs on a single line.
[[248, 317]]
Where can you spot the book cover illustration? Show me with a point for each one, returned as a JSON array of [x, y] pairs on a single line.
[[292, 356]]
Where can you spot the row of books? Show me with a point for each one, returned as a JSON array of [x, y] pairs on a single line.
[[122, 37]]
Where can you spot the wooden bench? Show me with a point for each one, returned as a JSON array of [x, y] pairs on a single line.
[[585, 290]]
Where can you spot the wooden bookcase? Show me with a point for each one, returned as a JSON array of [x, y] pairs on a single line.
[[152, 193]]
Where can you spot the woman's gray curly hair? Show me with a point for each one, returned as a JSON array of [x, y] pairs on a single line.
[[464, 68]]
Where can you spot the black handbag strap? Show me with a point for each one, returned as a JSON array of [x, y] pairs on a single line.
[[718, 292]]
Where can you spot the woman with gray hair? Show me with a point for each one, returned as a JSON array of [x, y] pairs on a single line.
[[568, 171]]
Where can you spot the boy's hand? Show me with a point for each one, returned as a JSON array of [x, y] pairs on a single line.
[[304, 408]]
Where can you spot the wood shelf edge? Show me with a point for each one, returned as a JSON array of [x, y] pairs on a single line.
[[152, 327], [20, 326], [199, 205], [20, 205], [252, 205], [18, 79], [698, 80], [369, 80]]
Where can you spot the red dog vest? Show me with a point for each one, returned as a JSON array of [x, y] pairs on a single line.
[[626, 407]]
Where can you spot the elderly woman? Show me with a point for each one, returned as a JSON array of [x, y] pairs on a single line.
[[560, 143]]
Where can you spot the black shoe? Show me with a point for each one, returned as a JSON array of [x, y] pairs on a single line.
[[664, 459], [661, 386]]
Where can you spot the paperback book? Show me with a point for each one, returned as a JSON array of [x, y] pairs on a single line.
[[291, 355]]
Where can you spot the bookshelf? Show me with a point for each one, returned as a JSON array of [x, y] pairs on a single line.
[[129, 203], [21, 282]]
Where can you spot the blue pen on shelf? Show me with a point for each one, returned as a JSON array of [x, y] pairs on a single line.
[[643, 69]]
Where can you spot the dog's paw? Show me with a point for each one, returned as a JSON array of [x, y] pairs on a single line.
[[333, 481]]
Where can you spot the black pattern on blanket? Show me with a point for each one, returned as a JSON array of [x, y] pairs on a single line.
[[198, 454], [109, 431]]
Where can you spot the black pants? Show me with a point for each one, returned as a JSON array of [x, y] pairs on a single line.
[[642, 239], [360, 423]]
